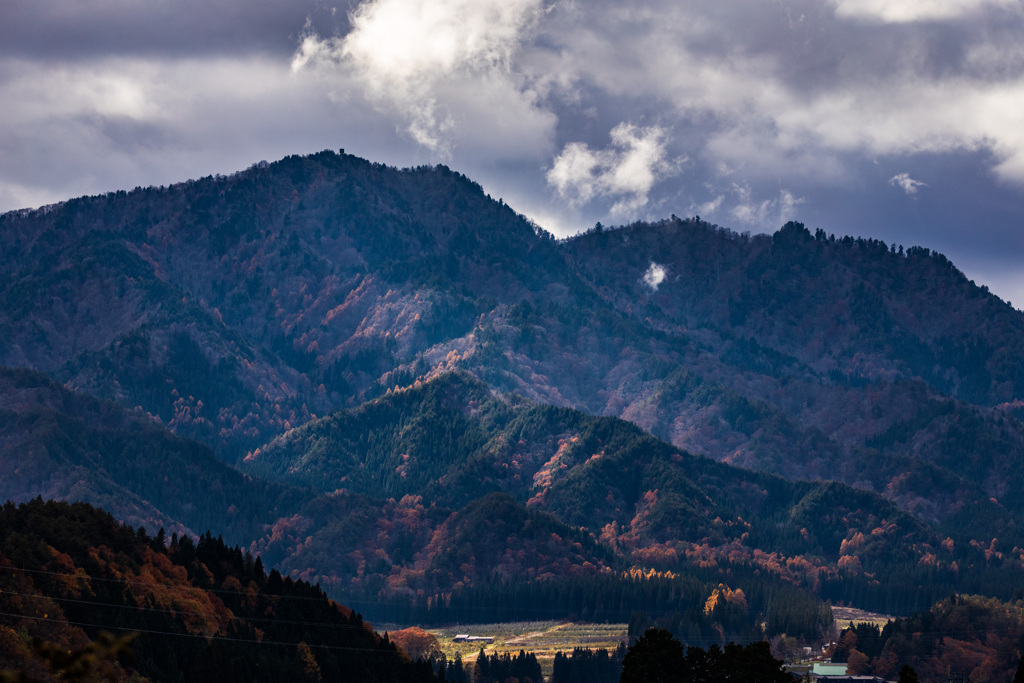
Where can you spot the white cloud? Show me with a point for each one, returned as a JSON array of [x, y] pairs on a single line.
[[907, 115], [626, 171], [710, 206], [799, 103], [406, 41], [902, 11], [906, 183], [765, 214], [654, 276], [115, 124], [408, 53]]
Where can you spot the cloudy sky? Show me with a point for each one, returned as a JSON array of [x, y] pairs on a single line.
[[896, 119]]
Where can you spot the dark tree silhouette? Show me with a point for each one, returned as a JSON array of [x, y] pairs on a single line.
[[656, 657], [1017, 677]]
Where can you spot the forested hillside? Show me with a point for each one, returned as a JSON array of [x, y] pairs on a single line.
[[823, 357], [452, 439], [59, 444], [968, 634], [234, 307], [65, 445], [200, 611]]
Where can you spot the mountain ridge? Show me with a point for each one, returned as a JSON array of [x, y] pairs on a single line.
[[580, 496], [236, 309]]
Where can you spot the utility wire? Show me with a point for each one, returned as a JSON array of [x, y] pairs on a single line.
[[197, 635], [143, 582], [174, 612]]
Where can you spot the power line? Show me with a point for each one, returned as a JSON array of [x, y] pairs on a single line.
[[195, 635], [376, 602], [365, 603], [174, 612], [319, 646], [154, 583]]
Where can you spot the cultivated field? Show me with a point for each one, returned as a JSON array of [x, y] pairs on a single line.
[[844, 615], [543, 638]]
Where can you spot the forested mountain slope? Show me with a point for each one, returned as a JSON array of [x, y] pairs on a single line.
[[850, 307], [235, 308], [447, 485], [64, 445], [453, 439], [818, 357], [263, 296], [382, 553], [60, 444]]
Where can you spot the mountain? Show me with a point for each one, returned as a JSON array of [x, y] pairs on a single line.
[[383, 554], [60, 444], [453, 439], [823, 357], [236, 308], [238, 311], [64, 445], [853, 308]]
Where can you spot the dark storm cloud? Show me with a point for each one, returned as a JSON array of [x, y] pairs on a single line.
[[56, 30], [898, 119]]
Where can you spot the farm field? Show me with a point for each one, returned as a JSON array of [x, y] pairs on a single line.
[[845, 615], [543, 638]]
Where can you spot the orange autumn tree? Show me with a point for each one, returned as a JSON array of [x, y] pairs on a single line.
[[416, 642]]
